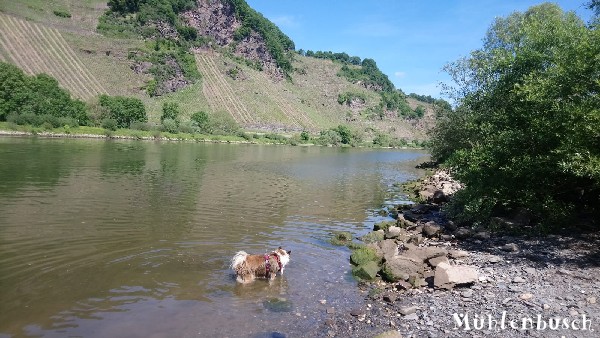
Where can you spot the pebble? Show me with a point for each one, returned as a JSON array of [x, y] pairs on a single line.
[[330, 310], [467, 293], [526, 296], [573, 312], [591, 300], [412, 316], [546, 307], [519, 279], [494, 259], [323, 301], [407, 310], [510, 247]]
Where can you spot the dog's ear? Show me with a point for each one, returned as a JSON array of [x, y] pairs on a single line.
[[280, 248], [289, 252]]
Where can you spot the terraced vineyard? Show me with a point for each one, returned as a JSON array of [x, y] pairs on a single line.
[[219, 93], [38, 49]]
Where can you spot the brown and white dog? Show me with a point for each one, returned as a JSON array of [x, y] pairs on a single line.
[[247, 267]]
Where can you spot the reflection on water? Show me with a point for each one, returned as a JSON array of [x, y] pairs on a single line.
[[103, 238]]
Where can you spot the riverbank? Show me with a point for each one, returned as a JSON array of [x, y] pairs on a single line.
[[432, 278], [242, 137]]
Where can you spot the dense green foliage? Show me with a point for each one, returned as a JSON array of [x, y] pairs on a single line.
[[170, 110], [441, 104], [526, 131], [369, 75], [339, 57], [124, 110], [36, 96], [62, 14], [278, 44]]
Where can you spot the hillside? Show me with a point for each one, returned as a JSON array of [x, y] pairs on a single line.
[[239, 76]]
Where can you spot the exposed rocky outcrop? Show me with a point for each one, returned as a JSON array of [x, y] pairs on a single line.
[[216, 19]]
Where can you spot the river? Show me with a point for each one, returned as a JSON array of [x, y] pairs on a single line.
[[133, 238]]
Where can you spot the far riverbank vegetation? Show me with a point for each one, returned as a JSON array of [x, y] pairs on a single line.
[[37, 105]]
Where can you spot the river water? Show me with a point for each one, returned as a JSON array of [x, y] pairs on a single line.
[[133, 239]]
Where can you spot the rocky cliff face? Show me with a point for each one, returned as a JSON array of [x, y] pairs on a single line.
[[216, 19]]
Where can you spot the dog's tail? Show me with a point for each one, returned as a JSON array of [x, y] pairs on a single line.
[[239, 258]]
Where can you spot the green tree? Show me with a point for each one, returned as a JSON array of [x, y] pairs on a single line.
[[124, 110], [526, 132], [170, 110], [36, 95]]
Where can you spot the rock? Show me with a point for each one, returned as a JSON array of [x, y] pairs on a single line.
[[357, 312], [330, 310], [439, 197], [519, 279], [402, 285], [482, 235], [403, 222], [437, 260], [431, 229], [400, 268], [416, 280], [366, 271], [386, 249], [450, 226], [423, 254], [458, 253], [409, 216], [445, 237], [573, 312], [546, 307], [467, 293], [421, 209], [494, 259], [510, 247], [591, 300], [323, 301], [415, 239], [526, 296], [407, 310], [393, 232], [530, 271], [412, 316], [389, 334], [447, 276], [462, 233], [390, 297]]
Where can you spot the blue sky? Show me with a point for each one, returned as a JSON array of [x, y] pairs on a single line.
[[411, 40]]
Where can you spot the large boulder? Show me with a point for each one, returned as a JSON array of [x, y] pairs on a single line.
[[421, 255], [401, 268], [367, 271], [447, 276]]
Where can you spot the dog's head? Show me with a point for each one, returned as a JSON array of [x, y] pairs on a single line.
[[284, 255]]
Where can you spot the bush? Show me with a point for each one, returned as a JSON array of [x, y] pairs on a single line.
[[139, 125], [170, 110], [170, 126], [109, 124], [62, 13], [187, 127], [124, 110], [67, 121]]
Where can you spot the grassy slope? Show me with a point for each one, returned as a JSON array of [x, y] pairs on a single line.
[[87, 64]]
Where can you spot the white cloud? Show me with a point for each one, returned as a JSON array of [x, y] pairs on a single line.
[[400, 75]]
